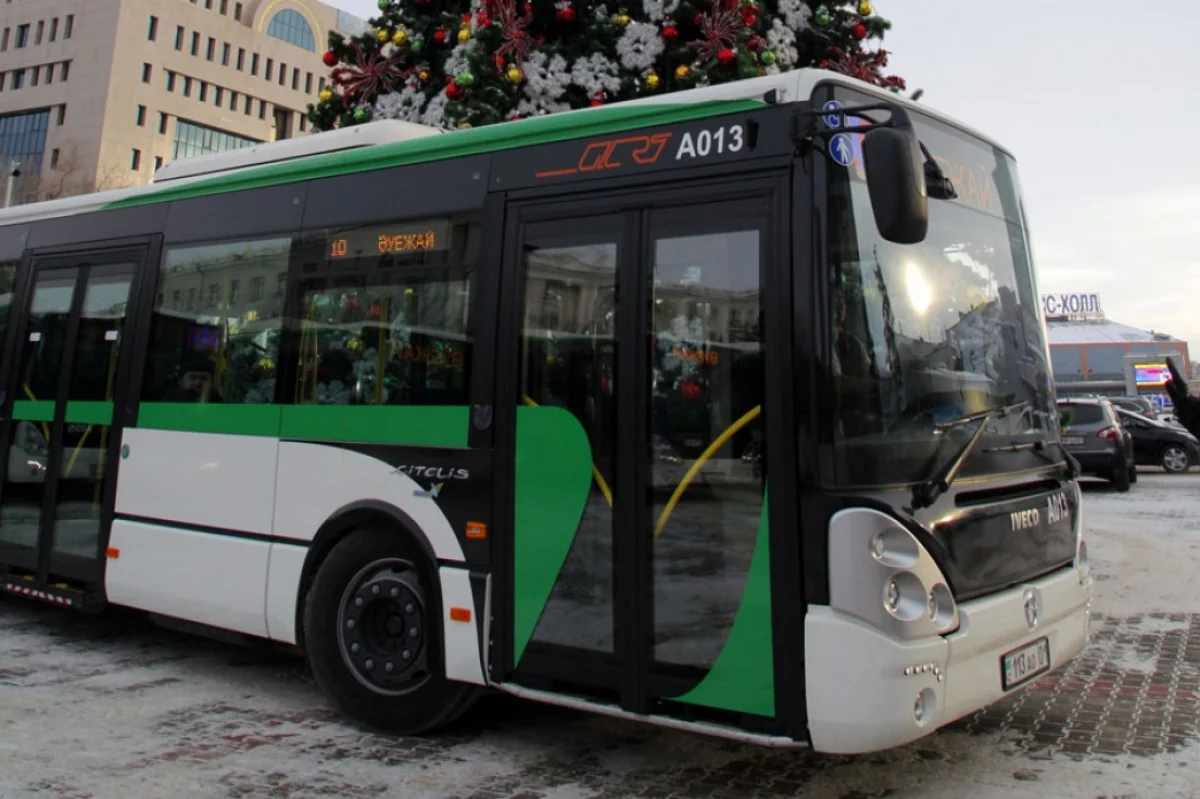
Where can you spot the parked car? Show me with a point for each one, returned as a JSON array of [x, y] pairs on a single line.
[[1094, 435], [1157, 443], [1141, 405]]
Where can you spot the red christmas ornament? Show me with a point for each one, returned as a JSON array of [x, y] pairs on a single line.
[[755, 42], [565, 14], [330, 58], [598, 100], [466, 19], [670, 33], [726, 55], [750, 13], [439, 36], [499, 61], [484, 21], [859, 31], [454, 91]]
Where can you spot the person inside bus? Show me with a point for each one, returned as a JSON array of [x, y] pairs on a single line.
[[853, 372], [194, 381]]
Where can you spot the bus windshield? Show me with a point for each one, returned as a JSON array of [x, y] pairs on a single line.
[[923, 334]]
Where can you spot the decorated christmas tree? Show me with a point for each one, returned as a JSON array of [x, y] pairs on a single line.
[[464, 63]]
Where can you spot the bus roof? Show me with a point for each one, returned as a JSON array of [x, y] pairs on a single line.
[[385, 144]]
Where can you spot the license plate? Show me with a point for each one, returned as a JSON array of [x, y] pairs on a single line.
[[1072, 439], [1022, 665]]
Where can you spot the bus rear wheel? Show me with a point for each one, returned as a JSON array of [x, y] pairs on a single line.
[[373, 639]]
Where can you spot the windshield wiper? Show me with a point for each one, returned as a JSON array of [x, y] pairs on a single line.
[[925, 492]]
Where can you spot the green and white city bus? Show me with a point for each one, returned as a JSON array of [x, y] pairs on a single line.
[[728, 410]]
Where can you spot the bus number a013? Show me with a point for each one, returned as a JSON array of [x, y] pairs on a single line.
[[724, 139]]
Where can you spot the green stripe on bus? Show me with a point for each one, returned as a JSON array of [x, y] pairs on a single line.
[[414, 425], [93, 413], [33, 410], [743, 678], [191, 417], [457, 144]]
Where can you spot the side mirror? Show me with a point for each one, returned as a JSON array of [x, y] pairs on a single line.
[[895, 169]]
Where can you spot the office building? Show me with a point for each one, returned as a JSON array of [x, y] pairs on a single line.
[[96, 94]]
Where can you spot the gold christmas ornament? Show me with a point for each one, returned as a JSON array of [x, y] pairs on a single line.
[[423, 75], [622, 18], [864, 8], [464, 35], [514, 75], [399, 38], [652, 81], [682, 71], [384, 35], [326, 95]]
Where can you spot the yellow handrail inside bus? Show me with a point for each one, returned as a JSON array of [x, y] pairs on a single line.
[[704, 456], [29, 393], [599, 478]]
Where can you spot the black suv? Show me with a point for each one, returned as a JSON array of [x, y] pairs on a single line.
[[1092, 433]]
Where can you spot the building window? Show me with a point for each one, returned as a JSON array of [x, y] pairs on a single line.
[[290, 26], [152, 31], [210, 52], [233, 98], [270, 69], [22, 35], [237, 11], [3, 75], [246, 106], [35, 72], [303, 123], [217, 96], [308, 83], [157, 166], [195, 139], [54, 158], [162, 123], [195, 49], [254, 64], [262, 109], [241, 59], [225, 48], [224, 7], [23, 138], [178, 37], [170, 81], [69, 27], [66, 70], [203, 91], [208, 5], [18, 78], [141, 116], [4, 39], [282, 73], [135, 160], [147, 73], [54, 29], [187, 86], [41, 29], [62, 114]]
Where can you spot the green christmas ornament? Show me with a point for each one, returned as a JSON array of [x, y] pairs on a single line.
[[384, 4], [767, 57], [822, 17], [416, 46], [361, 114], [464, 78]]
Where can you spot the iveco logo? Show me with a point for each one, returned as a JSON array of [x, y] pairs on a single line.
[[1025, 519], [1031, 608]]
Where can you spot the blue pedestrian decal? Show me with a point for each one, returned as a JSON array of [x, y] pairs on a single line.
[[841, 149], [833, 120]]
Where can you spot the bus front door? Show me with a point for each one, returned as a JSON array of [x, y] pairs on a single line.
[[67, 373], [639, 574]]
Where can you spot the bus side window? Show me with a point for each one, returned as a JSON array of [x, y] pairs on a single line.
[[217, 320]]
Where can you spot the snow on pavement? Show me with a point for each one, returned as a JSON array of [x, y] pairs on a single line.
[[93, 708]]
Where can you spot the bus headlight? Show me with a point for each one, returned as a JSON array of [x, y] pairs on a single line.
[[868, 548]]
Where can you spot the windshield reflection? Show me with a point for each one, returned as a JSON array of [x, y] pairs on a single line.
[[930, 332]]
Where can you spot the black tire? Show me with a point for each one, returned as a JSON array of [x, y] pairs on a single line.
[[1175, 459], [1120, 479], [413, 696], [1133, 474]]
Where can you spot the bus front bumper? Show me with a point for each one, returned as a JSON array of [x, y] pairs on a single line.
[[868, 691]]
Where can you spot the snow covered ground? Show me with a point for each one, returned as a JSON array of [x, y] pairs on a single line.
[[116, 708]]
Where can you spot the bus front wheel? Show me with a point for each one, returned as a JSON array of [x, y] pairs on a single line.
[[373, 638]]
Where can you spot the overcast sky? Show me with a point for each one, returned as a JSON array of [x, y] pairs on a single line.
[[1083, 95]]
